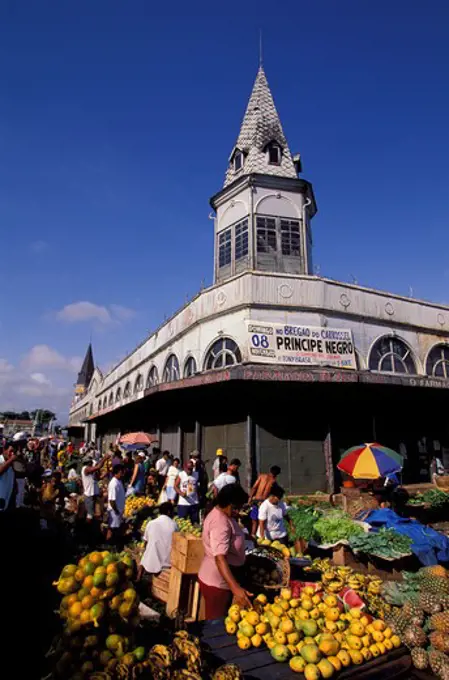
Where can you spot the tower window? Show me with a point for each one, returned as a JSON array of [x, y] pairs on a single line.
[[241, 239], [266, 235], [238, 161], [274, 154], [290, 237], [225, 248]]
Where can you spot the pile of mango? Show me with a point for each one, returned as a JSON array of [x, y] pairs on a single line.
[[185, 526], [276, 545], [135, 503], [311, 632]]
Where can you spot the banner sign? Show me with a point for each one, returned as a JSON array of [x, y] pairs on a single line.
[[271, 343]]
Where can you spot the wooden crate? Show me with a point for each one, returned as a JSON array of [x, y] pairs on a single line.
[[160, 585], [187, 553]]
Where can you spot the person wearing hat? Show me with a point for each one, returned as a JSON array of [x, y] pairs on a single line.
[[91, 489], [219, 459]]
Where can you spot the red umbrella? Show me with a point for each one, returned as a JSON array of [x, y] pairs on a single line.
[[133, 438]]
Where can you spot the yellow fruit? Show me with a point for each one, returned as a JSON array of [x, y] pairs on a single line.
[[341, 625], [243, 642], [369, 628], [96, 592], [326, 668], [344, 657], [355, 613], [378, 624], [247, 629], [234, 615], [332, 614], [308, 640], [311, 653], [88, 582], [256, 640], [316, 599], [243, 613], [277, 610], [331, 626], [303, 614], [387, 633], [365, 652], [381, 647], [285, 605], [331, 601], [75, 610], [377, 636], [297, 664], [280, 653], [294, 604], [367, 640], [374, 649], [253, 618], [329, 646], [287, 626], [357, 629], [262, 628], [365, 621], [388, 644], [335, 661], [271, 642], [338, 636], [309, 627], [280, 637], [292, 649], [356, 656], [315, 613], [312, 672], [231, 628], [322, 607], [308, 590], [396, 640], [262, 599], [306, 603], [293, 638], [286, 594], [85, 617], [354, 642], [274, 621]]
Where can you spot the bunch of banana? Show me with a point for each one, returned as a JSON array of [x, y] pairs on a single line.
[[161, 656], [184, 674], [189, 649], [228, 672], [378, 606]]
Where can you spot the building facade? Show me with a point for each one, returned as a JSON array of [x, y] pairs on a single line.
[[272, 363]]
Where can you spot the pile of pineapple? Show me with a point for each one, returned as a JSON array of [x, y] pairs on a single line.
[[312, 632], [423, 621]]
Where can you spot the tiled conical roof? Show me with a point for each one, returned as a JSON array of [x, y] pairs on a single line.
[[87, 369], [260, 126]]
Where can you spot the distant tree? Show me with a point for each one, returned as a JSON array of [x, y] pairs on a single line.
[[44, 416]]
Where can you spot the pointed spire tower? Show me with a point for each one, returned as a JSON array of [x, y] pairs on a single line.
[[86, 372], [263, 211]]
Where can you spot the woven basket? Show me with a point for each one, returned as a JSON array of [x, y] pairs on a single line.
[[264, 555]]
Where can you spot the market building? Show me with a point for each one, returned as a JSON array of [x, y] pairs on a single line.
[[273, 363]]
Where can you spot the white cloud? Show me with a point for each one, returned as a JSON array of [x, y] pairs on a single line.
[[43, 356], [5, 366], [40, 378], [84, 310]]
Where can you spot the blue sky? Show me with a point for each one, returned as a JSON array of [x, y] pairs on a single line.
[[116, 122]]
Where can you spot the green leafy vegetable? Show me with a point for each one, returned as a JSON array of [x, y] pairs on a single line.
[[384, 543], [336, 526], [303, 522]]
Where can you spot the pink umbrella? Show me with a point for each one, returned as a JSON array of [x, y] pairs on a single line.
[[139, 438]]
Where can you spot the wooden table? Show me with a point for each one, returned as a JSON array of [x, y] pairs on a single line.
[[258, 664]]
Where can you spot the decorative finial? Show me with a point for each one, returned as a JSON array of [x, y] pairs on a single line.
[[260, 49]]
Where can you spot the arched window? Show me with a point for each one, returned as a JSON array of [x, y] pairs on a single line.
[[224, 352], [437, 364], [138, 386], [190, 367], [171, 370], [118, 394], [391, 355], [111, 399], [152, 378], [127, 390]]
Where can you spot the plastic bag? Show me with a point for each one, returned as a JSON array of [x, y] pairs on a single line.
[[163, 498]]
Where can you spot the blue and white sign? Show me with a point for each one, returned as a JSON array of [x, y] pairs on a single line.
[[300, 345]]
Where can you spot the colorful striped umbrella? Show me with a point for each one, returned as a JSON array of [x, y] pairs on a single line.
[[133, 438], [370, 461]]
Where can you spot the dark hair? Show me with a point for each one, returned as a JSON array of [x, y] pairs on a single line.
[[235, 461], [275, 470], [231, 494], [118, 467], [277, 491], [223, 466], [176, 459], [167, 509], [166, 453]]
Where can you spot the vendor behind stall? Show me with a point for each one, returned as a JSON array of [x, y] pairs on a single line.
[[224, 548], [271, 516], [158, 537]]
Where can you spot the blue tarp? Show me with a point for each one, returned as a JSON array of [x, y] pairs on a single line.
[[429, 546]]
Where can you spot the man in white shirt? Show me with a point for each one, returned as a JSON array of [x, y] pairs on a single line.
[[271, 516], [91, 490], [162, 466], [158, 538], [116, 501], [186, 486], [228, 475]]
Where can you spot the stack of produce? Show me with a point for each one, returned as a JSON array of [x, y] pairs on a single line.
[[385, 543], [436, 499], [336, 526], [276, 545], [312, 632], [185, 526], [302, 523], [367, 586], [423, 621], [134, 504]]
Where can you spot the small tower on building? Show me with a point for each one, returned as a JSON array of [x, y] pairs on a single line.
[[86, 373], [264, 209]]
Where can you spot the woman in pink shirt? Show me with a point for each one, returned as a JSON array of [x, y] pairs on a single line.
[[224, 554]]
